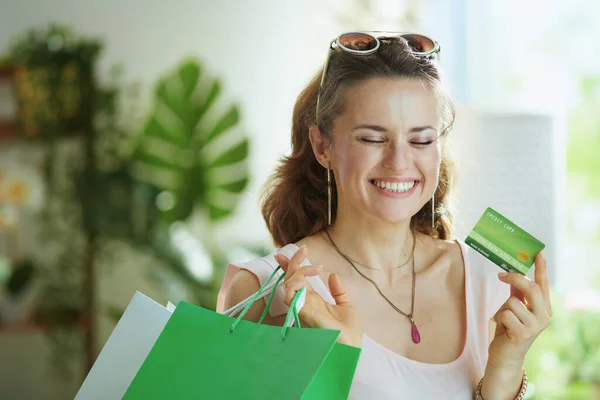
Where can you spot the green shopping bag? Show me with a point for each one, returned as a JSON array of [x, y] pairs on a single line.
[[201, 354]]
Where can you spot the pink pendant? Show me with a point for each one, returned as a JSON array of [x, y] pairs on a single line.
[[415, 333]]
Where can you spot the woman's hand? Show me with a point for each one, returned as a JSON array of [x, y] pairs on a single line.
[[519, 321], [317, 313]]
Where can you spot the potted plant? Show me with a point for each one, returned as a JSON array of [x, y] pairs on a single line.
[[53, 81]]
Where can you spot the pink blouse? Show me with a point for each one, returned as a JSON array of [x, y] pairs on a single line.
[[383, 374]]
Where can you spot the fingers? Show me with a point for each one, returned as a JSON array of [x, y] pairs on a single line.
[[298, 281], [509, 320], [531, 289], [541, 277], [291, 265], [338, 291], [522, 326], [514, 292], [292, 288], [519, 309]]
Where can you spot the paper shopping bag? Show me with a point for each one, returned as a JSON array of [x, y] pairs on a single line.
[[125, 351], [198, 356]]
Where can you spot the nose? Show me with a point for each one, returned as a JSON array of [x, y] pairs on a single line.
[[398, 156]]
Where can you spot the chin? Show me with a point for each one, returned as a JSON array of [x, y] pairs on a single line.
[[393, 216]]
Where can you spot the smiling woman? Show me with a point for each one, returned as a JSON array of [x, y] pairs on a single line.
[[366, 192], [351, 83]]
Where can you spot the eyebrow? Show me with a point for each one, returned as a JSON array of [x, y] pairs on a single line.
[[379, 128]]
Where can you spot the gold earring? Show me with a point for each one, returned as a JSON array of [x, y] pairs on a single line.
[[328, 195], [433, 212]]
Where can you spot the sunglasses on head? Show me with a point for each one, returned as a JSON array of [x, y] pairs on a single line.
[[363, 43]]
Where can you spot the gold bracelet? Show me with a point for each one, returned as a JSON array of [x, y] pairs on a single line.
[[520, 396]]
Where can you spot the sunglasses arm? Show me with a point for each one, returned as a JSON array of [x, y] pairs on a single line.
[[325, 68]]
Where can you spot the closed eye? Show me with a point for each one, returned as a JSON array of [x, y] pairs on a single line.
[[423, 143], [371, 141]]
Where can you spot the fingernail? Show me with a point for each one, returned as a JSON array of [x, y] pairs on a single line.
[[502, 274], [319, 266]]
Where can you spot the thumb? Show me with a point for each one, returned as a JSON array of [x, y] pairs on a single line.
[[339, 292]]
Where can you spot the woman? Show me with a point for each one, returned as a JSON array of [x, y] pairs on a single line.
[[363, 199]]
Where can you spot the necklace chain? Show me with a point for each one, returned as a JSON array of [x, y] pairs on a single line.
[[375, 269], [412, 257]]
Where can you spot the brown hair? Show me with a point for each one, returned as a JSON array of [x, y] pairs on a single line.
[[295, 197]]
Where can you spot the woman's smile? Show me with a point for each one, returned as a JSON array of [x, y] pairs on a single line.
[[395, 188]]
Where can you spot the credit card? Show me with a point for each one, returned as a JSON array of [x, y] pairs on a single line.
[[504, 243]]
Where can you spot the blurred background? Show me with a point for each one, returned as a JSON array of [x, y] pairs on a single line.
[[135, 138]]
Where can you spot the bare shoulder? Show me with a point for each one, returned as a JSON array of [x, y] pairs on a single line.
[[318, 249], [447, 256], [243, 285], [312, 242], [446, 248], [320, 252], [457, 263]]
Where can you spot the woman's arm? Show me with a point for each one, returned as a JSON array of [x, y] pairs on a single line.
[[243, 285], [519, 321], [498, 380], [502, 382]]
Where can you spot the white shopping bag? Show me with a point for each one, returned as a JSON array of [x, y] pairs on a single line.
[[126, 349]]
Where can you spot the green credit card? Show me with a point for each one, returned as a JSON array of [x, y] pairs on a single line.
[[502, 242]]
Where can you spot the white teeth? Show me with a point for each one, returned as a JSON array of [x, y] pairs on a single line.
[[397, 187]]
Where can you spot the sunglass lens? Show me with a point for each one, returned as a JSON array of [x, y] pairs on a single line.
[[357, 41], [419, 43]]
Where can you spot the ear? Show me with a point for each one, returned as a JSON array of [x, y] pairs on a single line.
[[320, 146]]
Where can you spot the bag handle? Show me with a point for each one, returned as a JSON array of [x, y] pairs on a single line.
[[267, 288], [292, 314]]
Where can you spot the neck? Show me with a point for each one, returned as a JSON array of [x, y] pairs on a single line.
[[373, 243]]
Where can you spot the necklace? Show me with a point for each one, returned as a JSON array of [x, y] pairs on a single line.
[[416, 337], [375, 269]]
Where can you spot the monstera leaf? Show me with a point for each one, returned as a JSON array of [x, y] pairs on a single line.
[[192, 147]]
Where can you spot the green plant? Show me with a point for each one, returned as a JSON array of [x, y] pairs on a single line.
[[190, 148], [564, 362], [193, 153], [584, 140], [55, 45], [53, 75]]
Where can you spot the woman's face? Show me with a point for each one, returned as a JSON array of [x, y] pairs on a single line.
[[385, 151]]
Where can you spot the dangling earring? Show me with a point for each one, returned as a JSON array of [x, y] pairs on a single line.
[[328, 195], [433, 212]]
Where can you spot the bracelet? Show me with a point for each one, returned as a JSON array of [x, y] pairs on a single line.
[[520, 396]]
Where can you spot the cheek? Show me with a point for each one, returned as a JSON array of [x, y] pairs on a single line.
[[356, 160], [430, 161]]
